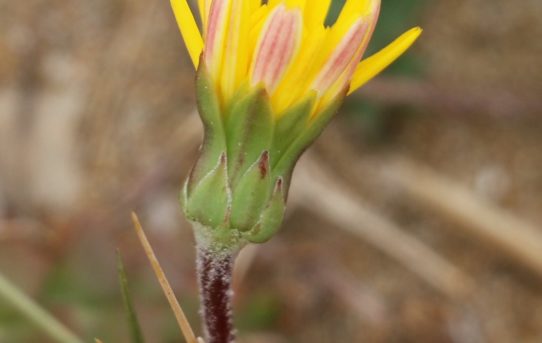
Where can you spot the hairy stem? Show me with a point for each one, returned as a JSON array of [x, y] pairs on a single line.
[[215, 274]]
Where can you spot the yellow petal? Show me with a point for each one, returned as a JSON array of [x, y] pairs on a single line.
[[373, 65], [254, 5], [295, 4], [218, 23], [189, 29], [298, 78], [235, 60], [316, 13], [204, 6], [287, 3], [257, 21], [278, 44], [356, 8], [341, 57]]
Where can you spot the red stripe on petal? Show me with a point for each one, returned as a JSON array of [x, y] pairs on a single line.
[[284, 51], [216, 15], [276, 48], [267, 44], [373, 19], [342, 57]]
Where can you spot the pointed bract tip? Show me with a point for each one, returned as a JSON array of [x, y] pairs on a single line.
[[264, 164], [278, 185], [223, 159]]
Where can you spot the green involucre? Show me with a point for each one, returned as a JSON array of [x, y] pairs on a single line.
[[238, 188]]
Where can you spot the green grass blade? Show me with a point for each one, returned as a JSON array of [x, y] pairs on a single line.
[[12, 295], [135, 328]]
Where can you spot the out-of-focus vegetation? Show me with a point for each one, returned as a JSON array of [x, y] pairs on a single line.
[[97, 119]]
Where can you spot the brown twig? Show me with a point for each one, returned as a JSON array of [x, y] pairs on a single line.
[[186, 329]]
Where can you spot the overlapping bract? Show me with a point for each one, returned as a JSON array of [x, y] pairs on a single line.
[[239, 185]]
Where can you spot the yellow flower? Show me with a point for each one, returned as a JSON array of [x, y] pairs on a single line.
[[285, 47], [269, 79]]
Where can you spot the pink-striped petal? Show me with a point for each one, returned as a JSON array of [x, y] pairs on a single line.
[[344, 80], [278, 43], [342, 57], [216, 25]]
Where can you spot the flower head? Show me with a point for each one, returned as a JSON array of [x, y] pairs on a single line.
[[270, 77], [286, 47]]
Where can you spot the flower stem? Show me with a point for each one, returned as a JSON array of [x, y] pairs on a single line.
[[215, 275]]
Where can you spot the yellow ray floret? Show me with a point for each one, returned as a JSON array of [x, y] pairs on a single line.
[[189, 29], [285, 46], [376, 63]]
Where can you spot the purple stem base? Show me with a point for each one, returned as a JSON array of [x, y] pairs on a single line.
[[215, 274]]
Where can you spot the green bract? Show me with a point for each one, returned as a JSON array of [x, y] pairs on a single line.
[[238, 188]]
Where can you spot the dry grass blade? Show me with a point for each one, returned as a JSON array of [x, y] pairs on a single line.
[[186, 329], [502, 229], [321, 191]]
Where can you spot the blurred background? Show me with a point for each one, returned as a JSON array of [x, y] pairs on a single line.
[[416, 217]]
